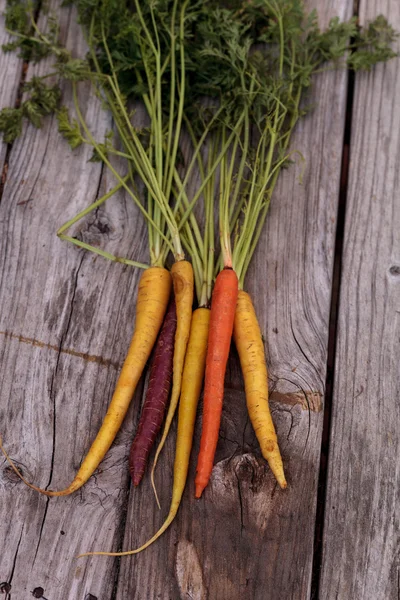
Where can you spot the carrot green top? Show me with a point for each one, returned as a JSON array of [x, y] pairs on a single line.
[[255, 58], [259, 58]]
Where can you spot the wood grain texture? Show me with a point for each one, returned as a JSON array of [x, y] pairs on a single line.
[[69, 305], [246, 539], [361, 537], [10, 69]]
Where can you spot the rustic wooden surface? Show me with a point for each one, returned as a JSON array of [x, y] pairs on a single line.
[[10, 69], [65, 325], [361, 541], [56, 299], [245, 538]]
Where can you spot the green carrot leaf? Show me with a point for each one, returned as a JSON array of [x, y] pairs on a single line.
[[10, 124], [68, 128]]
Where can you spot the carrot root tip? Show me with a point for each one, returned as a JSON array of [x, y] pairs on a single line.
[[136, 480], [199, 490]]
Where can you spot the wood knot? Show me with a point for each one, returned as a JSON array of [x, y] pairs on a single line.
[[101, 226], [246, 467], [5, 587], [395, 270], [94, 232], [90, 597], [11, 476], [38, 592], [250, 472]]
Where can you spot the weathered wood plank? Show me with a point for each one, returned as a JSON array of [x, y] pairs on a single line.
[[10, 69], [245, 538], [361, 539], [65, 325]]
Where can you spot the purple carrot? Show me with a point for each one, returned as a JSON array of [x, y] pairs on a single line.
[[157, 395]]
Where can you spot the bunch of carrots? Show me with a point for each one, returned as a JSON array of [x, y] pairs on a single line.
[[232, 81]]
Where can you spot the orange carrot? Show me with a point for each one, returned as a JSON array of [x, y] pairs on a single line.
[[223, 307]]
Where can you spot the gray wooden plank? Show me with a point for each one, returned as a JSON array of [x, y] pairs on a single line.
[[10, 69], [245, 538], [361, 536], [66, 321]]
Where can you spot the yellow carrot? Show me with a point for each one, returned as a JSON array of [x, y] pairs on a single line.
[[248, 340], [182, 279], [153, 295], [192, 380]]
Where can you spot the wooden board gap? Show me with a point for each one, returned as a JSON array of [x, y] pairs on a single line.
[[332, 338]]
